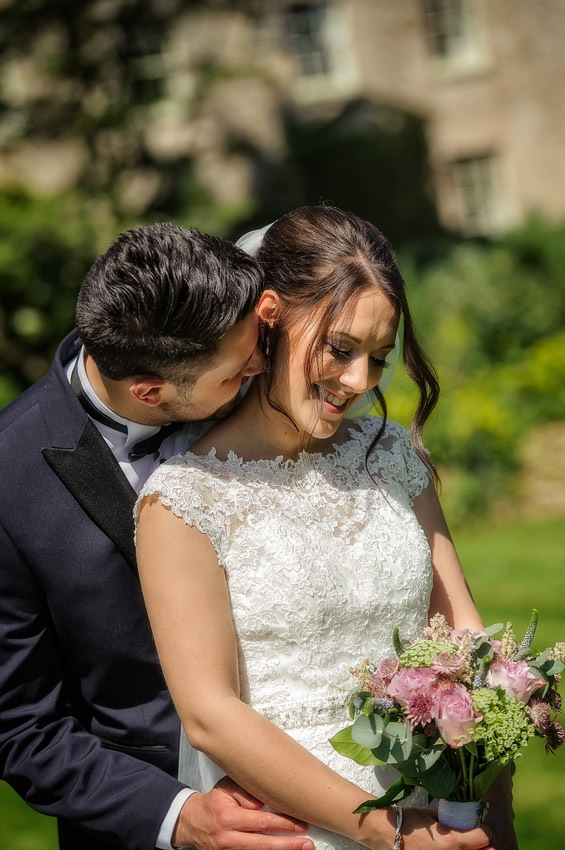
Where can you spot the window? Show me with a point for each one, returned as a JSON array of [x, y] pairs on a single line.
[[307, 24], [452, 31], [476, 194]]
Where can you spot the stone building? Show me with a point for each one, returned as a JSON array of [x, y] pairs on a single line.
[[487, 77], [484, 77]]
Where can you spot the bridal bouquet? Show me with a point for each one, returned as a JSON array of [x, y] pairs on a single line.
[[452, 709]]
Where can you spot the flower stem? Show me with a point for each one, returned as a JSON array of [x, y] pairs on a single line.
[[465, 782], [471, 777]]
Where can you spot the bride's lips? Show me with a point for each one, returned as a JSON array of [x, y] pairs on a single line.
[[333, 403]]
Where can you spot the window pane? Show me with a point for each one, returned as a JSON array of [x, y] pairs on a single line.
[[475, 190], [306, 26], [450, 27]]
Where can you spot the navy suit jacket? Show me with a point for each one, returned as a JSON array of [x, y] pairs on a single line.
[[88, 732]]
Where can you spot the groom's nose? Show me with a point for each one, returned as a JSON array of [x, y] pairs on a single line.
[[256, 364]]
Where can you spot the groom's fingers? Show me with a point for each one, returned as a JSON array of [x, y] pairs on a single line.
[[242, 797], [216, 821], [246, 800], [253, 821], [252, 841]]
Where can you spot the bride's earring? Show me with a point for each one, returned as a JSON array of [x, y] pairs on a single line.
[[266, 346]]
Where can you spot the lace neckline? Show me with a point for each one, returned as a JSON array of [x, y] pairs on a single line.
[[305, 459]]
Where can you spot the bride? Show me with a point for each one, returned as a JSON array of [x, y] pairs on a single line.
[[290, 541]]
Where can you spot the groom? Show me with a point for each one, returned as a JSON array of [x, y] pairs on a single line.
[[166, 333]]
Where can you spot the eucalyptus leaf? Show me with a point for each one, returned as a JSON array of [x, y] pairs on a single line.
[[398, 791], [492, 630], [368, 731], [539, 671], [423, 756], [360, 698], [553, 667], [396, 744], [484, 651], [344, 744]]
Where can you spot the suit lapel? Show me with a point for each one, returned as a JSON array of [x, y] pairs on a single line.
[[93, 476], [80, 457]]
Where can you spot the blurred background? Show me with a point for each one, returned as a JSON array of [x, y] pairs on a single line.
[[442, 121]]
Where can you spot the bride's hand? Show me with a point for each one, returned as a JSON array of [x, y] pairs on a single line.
[[421, 831]]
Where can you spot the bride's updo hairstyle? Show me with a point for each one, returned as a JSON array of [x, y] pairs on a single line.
[[316, 259]]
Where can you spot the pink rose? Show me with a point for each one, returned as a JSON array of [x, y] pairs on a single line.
[[515, 677], [408, 682], [455, 715]]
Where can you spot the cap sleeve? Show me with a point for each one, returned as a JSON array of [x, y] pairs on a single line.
[[417, 473], [395, 460], [187, 491]]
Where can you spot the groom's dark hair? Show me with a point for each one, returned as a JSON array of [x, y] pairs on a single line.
[[159, 300]]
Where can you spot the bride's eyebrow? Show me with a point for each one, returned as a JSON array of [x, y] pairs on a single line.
[[355, 339]]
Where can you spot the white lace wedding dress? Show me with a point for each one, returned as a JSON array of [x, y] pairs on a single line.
[[322, 562]]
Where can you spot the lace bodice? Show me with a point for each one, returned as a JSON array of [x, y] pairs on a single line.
[[322, 559]]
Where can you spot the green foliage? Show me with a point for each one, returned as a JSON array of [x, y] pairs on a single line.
[[344, 744], [492, 318], [367, 731], [46, 245]]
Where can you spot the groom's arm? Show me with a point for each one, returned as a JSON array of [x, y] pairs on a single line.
[[50, 760], [60, 769]]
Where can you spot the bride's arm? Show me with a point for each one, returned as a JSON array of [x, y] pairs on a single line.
[[451, 595], [188, 604]]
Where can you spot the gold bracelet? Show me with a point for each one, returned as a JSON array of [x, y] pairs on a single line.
[[398, 837]]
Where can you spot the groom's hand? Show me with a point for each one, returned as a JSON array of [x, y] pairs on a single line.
[[228, 818]]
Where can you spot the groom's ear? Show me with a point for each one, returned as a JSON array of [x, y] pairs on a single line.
[[268, 308], [149, 389]]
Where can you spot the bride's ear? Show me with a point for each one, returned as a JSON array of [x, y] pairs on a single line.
[[268, 308]]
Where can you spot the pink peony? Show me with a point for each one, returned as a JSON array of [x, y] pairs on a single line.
[[455, 715], [514, 677], [408, 682]]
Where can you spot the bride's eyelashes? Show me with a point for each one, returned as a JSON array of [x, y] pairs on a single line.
[[345, 354]]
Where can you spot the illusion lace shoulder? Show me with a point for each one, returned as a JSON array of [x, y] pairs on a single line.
[[323, 558]]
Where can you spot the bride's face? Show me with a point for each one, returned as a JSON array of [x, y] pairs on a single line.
[[351, 362]]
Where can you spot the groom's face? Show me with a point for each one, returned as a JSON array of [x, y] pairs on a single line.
[[213, 394]]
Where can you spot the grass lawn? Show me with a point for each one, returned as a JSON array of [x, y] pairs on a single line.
[[511, 568]]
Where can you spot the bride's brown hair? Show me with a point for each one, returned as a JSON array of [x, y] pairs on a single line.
[[320, 255]]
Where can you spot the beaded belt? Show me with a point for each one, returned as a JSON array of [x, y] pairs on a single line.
[[299, 714]]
